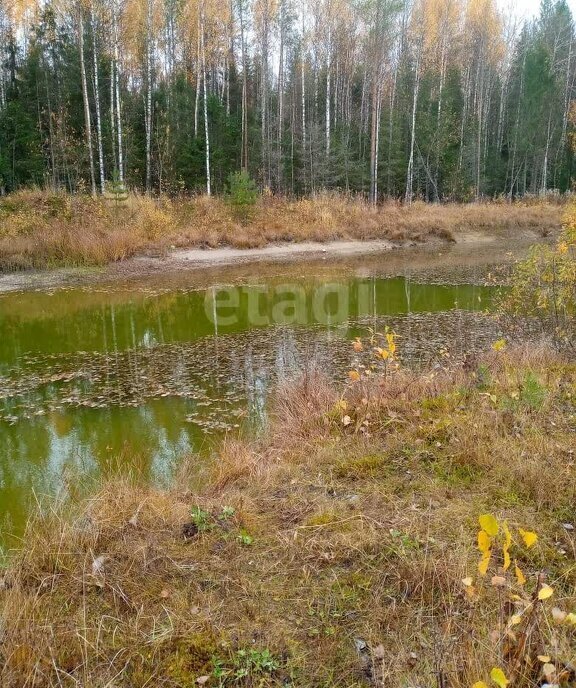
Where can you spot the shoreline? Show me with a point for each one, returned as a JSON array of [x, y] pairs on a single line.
[[193, 259]]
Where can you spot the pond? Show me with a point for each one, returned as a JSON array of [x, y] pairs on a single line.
[[136, 375]]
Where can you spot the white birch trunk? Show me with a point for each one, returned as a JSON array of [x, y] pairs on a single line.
[[410, 171], [148, 122], [87, 118], [96, 78], [328, 94], [206, 130]]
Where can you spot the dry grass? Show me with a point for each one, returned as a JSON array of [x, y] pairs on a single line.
[[38, 229], [361, 534]]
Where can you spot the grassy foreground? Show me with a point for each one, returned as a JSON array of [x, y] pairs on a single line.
[[339, 550], [39, 229]]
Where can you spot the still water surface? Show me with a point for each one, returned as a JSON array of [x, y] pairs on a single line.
[[138, 375]]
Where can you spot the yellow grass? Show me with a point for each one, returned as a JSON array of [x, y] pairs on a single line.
[[359, 537], [39, 229]]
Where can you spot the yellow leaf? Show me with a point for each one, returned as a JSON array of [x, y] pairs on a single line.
[[484, 541], [358, 345], [571, 619], [543, 658], [479, 684], [499, 345], [545, 592], [499, 677], [382, 353], [515, 620], [562, 247], [489, 524], [354, 375], [468, 581], [528, 536], [520, 577], [506, 546], [484, 563]]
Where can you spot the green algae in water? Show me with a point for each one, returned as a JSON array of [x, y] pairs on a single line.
[[95, 381]]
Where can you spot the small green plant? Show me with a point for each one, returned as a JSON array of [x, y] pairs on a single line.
[[252, 663], [201, 519], [245, 538], [532, 393], [227, 512], [242, 194], [483, 377]]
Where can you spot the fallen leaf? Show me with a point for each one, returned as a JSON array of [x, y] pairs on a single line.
[[545, 592], [499, 677], [558, 615], [468, 581], [498, 581], [529, 537], [543, 658], [520, 577], [201, 680], [548, 670], [378, 652]]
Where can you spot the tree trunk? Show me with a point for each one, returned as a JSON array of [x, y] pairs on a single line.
[[280, 97], [244, 143], [206, 131], [117, 94], [87, 119], [149, 69], [410, 171], [97, 101], [328, 94]]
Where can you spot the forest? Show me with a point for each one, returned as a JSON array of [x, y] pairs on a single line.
[[423, 99]]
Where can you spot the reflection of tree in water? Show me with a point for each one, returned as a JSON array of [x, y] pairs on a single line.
[[142, 408], [221, 372]]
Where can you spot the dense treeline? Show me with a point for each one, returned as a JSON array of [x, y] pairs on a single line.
[[437, 99]]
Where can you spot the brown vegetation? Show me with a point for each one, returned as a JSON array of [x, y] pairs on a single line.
[[331, 553], [39, 230]]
